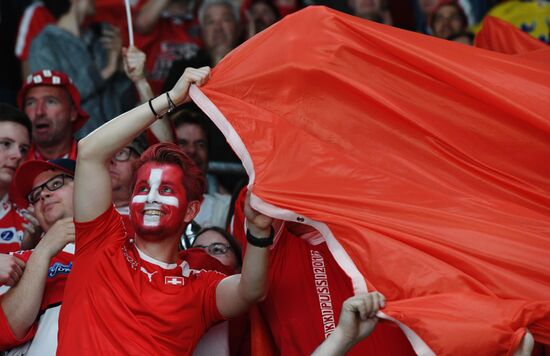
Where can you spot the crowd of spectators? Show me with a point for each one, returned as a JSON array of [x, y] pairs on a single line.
[[72, 70]]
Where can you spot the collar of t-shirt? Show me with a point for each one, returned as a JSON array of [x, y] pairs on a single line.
[[166, 266]]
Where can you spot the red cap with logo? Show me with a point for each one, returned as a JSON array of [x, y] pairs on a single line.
[[54, 78]]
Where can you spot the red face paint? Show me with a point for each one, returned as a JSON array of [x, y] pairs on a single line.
[[159, 201]]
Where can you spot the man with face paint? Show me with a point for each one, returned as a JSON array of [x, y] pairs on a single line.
[[137, 296]]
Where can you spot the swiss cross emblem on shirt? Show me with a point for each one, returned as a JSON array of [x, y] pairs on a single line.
[[174, 280]]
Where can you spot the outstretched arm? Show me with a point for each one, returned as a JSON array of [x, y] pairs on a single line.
[[92, 187], [357, 321], [235, 294]]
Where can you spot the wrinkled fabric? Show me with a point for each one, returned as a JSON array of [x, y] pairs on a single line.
[[500, 36], [426, 161]]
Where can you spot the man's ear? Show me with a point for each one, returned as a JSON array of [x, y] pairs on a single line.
[[192, 210], [74, 114]]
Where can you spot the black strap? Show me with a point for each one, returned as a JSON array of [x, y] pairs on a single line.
[[254, 241]]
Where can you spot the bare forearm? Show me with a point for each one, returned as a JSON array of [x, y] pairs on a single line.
[[160, 128], [149, 14], [108, 71], [253, 284], [21, 303], [104, 142]]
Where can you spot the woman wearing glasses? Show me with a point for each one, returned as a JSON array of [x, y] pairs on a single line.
[[221, 245]]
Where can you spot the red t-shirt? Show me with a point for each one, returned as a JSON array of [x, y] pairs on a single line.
[[306, 290], [124, 212], [35, 18], [11, 226], [120, 301], [34, 154], [44, 330]]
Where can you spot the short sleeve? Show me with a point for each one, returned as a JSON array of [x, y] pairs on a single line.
[[7, 339], [105, 229], [211, 314]]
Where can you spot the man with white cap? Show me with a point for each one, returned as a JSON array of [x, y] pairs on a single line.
[[52, 103]]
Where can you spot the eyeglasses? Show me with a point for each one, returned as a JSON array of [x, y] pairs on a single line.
[[216, 248], [124, 154], [52, 184]]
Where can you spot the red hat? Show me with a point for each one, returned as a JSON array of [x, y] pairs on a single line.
[[54, 78], [26, 173]]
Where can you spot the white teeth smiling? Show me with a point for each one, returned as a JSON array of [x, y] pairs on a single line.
[[152, 212]]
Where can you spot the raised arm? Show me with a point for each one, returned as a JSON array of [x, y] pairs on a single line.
[[149, 15], [92, 187], [235, 294], [134, 66]]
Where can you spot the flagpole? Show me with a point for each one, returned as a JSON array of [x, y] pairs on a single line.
[[129, 20]]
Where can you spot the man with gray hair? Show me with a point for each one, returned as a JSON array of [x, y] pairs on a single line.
[[220, 32]]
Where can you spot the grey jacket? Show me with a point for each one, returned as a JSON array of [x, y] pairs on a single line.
[[82, 60]]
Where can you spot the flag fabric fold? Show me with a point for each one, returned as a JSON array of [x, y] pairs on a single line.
[[423, 162], [499, 36]]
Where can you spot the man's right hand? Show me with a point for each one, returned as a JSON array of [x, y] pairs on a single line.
[[197, 76], [57, 237], [11, 269]]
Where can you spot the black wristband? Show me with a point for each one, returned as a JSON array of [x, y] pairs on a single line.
[[153, 110], [254, 241], [171, 105]]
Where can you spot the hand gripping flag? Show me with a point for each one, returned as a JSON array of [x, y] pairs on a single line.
[[423, 162]]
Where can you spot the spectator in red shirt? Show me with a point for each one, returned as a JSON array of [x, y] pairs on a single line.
[[15, 231], [167, 31], [151, 300], [31, 307], [52, 103], [221, 245]]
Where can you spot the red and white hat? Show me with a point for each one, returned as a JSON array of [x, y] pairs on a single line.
[[54, 78]]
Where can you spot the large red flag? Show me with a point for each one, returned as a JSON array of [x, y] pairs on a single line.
[[423, 162]]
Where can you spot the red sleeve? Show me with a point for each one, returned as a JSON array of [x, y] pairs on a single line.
[[35, 18], [92, 235], [211, 314], [7, 339]]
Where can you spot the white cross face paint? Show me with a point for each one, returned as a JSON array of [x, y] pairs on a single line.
[[159, 199]]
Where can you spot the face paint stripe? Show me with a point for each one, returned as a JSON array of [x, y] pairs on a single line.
[[154, 183]]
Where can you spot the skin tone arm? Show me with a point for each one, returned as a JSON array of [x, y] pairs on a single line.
[[11, 269], [21, 303], [92, 187], [112, 42], [357, 321], [149, 15], [134, 64], [235, 294]]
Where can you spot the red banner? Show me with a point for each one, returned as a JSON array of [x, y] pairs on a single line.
[[423, 162]]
